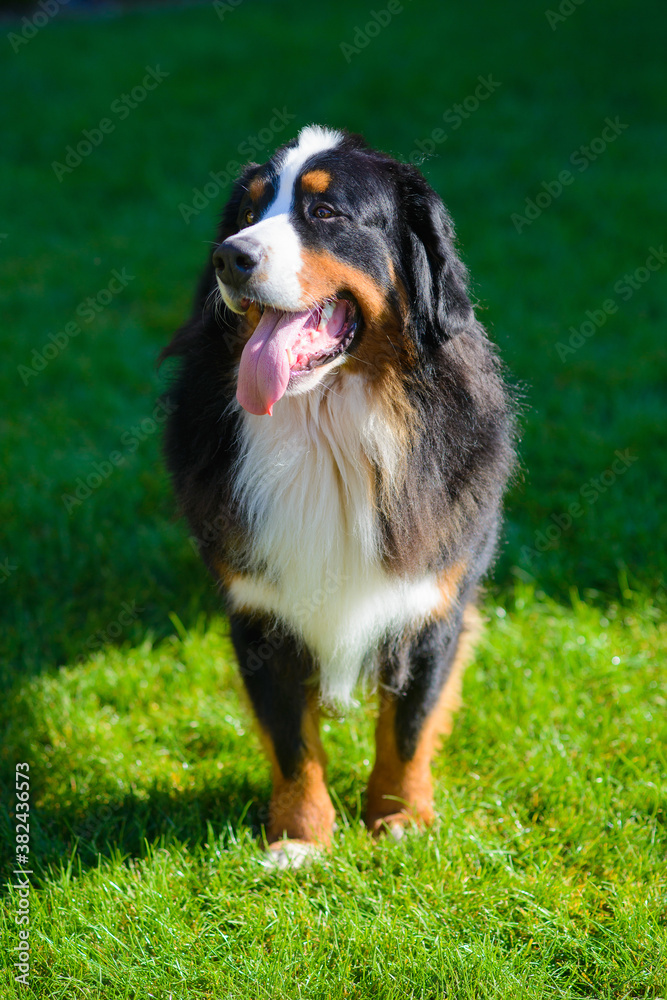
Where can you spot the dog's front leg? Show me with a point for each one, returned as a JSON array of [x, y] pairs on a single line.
[[278, 678], [421, 692]]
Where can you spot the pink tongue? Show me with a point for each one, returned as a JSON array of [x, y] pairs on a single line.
[[280, 342], [265, 365]]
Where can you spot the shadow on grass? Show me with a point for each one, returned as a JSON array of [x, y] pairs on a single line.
[[203, 775], [62, 619], [127, 824], [130, 824]]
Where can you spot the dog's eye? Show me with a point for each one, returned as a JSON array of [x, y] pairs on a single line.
[[249, 217], [322, 212]]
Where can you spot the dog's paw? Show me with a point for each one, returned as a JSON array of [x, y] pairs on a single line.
[[285, 854], [394, 826]]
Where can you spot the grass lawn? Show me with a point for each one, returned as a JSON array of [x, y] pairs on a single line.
[[545, 875]]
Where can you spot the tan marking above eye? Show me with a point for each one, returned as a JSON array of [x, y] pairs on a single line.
[[316, 181], [256, 188]]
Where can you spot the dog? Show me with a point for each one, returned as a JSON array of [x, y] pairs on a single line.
[[340, 440]]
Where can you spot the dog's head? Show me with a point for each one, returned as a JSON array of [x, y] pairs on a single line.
[[335, 255]]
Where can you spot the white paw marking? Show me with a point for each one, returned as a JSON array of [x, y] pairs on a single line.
[[290, 854]]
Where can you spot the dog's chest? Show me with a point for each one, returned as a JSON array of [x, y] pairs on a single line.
[[306, 482]]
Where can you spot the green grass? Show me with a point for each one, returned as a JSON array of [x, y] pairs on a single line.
[[545, 874]]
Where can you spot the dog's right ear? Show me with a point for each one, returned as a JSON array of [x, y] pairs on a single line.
[[436, 279]]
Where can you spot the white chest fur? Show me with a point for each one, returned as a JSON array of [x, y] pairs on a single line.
[[305, 481]]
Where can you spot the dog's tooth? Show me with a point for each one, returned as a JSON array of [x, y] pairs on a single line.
[[328, 312]]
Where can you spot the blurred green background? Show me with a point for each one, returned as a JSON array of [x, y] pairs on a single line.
[[543, 129]]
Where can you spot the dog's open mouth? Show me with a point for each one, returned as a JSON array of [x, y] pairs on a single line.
[[287, 345]]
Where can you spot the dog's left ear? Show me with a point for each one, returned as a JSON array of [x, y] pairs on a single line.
[[437, 279]]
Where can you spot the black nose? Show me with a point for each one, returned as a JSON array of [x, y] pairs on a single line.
[[236, 260]]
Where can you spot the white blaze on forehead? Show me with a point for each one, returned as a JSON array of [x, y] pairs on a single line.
[[312, 140], [275, 232]]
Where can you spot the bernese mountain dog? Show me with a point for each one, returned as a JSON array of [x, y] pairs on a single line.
[[339, 441]]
